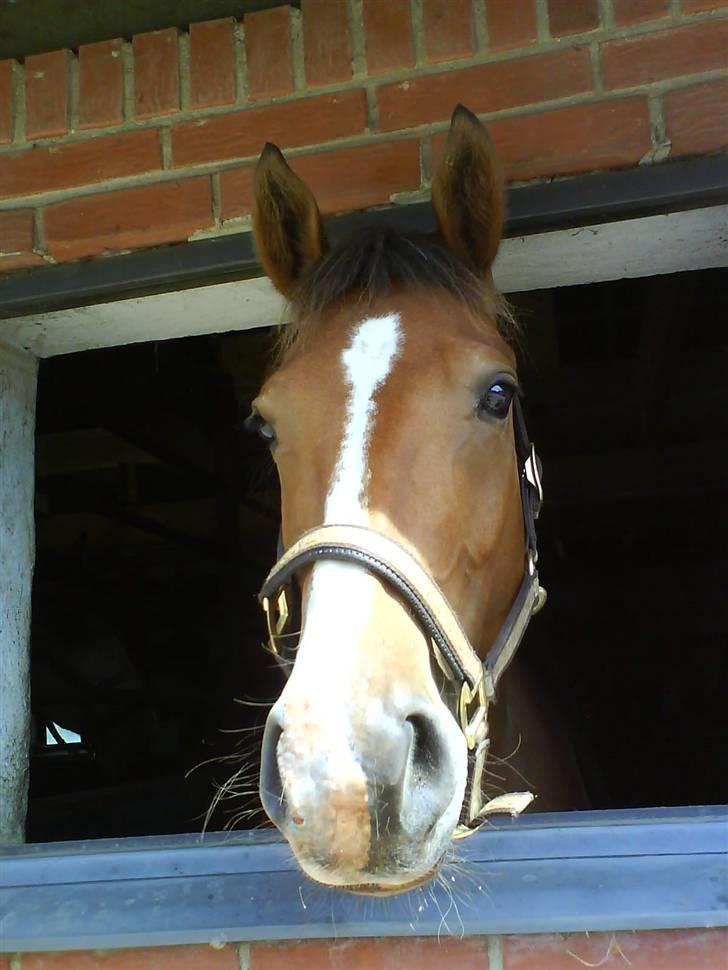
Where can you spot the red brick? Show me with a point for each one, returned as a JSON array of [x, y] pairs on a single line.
[[326, 42], [6, 101], [696, 118], [156, 73], [573, 16], [644, 950], [695, 6], [387, 954], [308, 121], [665, 54], [46, 94], [158, 958], [510, 24], [79, 163], [16, 249], [448, 27], [268, 50], [128, 219], [388, 31], [351, 178], [635, 11], [212, 65], [486, 88], [582, 138], [100, 84]]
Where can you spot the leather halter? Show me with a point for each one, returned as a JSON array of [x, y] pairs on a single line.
[[398, 569]]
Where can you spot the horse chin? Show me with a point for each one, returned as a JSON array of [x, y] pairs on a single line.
[[376, 885]]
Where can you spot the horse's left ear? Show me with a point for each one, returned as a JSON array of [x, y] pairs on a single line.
[[286, 221], [467, 193]]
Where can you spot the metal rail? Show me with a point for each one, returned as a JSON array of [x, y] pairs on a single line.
[[618, 870]]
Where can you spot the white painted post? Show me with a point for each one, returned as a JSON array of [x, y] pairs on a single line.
[[18, 372]]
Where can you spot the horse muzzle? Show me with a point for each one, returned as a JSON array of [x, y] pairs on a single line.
[[372, 803]]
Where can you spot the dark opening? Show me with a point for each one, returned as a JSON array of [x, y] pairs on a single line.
[[157, 519]]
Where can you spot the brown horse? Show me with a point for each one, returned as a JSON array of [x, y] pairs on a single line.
[[391, 422]]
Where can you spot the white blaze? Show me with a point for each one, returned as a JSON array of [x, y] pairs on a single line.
[[341, 595], [366, 362]]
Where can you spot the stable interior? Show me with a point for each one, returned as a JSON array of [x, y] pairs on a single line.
[[157, 519]]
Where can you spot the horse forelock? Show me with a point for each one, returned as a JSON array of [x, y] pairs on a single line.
[[375, 262]]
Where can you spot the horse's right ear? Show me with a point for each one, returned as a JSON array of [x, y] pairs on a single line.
[[286, 221]]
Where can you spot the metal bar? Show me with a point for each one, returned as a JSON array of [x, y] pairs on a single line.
[[558, 204], [646, 869], [18, 373]]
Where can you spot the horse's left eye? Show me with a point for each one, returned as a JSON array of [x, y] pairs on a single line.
[[497, 400]]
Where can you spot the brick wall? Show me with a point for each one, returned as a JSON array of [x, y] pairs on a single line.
[[645, 950], [121, 145]]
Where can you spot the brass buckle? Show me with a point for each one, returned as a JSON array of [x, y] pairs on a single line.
[[277, 626], [475, 726]]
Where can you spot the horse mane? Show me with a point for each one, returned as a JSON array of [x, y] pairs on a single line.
[[370, 263]]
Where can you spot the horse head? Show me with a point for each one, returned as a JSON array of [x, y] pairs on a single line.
[[391, 420]]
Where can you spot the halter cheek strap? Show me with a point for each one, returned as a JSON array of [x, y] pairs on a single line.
[[418, 591]]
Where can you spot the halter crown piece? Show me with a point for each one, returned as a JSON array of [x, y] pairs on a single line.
[[453, 652]]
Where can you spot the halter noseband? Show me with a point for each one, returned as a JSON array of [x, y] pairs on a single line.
[[414, 586]]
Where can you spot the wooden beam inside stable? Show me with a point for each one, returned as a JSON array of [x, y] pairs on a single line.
[[17, 553]]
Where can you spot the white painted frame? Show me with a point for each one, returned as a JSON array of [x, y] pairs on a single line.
[[650, 246]]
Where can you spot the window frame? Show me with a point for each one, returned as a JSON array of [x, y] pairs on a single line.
[[617, 870]]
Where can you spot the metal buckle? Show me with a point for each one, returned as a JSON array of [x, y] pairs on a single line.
[[530, 466], [277, 626], [475, 727], [540, 601]]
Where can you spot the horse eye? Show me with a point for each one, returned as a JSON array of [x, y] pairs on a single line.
[[256, 422], [497, 400]]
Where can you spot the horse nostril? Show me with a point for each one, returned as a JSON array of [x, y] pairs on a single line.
[[271, 786], [426, 745]]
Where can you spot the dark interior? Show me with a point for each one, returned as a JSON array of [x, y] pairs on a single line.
[[157, 519]]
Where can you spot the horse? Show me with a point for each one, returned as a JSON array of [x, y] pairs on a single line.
[[408, 565]]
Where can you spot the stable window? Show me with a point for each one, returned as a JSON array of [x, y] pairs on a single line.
[[156, 519]]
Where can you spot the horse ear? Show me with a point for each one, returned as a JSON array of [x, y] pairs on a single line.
[[286, 221], [467, 193]]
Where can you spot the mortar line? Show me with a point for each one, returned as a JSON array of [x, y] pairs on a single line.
[[543, 25], [165, 141], [480, 27], [39, 243], [295, 39], [244, 956], [595, 64], [606, 15], [355, 23], [241, 63], [215, 197], [495, 953], [183, 68], [425, 162], [18, 94], [417, 29], [74, 93], [127, 76]]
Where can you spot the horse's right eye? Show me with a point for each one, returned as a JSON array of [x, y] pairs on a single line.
[[496, 401], [257, 423]]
